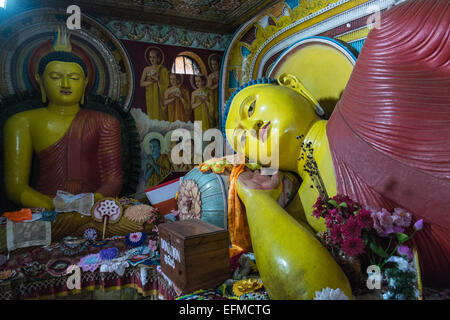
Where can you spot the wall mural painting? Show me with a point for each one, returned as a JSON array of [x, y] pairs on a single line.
[[175, 86]]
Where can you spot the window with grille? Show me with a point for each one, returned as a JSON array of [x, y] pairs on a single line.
[[185, 65]]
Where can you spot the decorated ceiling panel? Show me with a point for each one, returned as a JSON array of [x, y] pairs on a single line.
[[222, 16]]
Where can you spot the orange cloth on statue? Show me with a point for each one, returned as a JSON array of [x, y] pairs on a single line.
[[237, 219], [18, 216]]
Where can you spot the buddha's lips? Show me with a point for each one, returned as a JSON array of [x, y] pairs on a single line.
[[263, 132], [66, 92]]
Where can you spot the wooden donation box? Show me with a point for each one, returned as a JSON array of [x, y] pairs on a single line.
[[194, 254]]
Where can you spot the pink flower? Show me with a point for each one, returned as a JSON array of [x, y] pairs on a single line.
[[364, 216], [151, 220], [398, 229], [341, 198], [335, 234], [335, 215], [418, 225], [401, 217], [383, 222], [329, 222], [353, 247], [352, 228], [317, 213], [318, 202], [405, 251], [152, 245], [155, 229]]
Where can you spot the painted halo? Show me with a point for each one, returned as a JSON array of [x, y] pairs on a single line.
[[210, 58], [147, 52], [192, 80], [154, 135], [27, 37], [168, 142]]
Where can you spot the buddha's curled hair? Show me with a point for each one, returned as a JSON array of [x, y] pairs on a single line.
[[63, 57]]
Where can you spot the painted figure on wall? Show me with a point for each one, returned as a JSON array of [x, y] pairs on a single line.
[[177, 100], [155, 79], [158, 165], [213, 84], [202, 103]]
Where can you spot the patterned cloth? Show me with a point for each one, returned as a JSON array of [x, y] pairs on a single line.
[[17, 284]]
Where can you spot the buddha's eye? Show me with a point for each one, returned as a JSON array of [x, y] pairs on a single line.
[[251, 109], [74, 76], [55, 76]]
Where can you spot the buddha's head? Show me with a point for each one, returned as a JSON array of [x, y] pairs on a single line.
[[154, 57], [200, 81], [174, 79], [155, 148], [62, 77], [268, 117], [214, 63]]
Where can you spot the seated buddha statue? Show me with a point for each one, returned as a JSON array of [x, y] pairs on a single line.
[[79, 150], [386, 145]]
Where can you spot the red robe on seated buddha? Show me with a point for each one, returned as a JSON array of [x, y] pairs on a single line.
[[88, 158]]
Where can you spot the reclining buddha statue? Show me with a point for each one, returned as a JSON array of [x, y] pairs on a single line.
[[386, 145], [79, 150]]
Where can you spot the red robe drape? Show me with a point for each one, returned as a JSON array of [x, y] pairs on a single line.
[[88, 158], [390, 132]]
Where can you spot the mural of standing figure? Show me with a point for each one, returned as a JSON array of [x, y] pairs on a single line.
[[213, 85], [155, 79], [202, 103], [177, 100]]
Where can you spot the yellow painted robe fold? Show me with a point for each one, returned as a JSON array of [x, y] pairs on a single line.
[[154, 95], [165, 167], [205, 111], [177, 110]]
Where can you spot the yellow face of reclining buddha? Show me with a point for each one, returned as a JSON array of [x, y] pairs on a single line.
[[264, 121]]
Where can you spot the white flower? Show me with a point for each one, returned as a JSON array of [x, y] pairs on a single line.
[[330, 294], [388, 295], [402, 263], [392, 282]]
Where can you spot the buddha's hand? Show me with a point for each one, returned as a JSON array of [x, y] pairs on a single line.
[[252, 183]]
